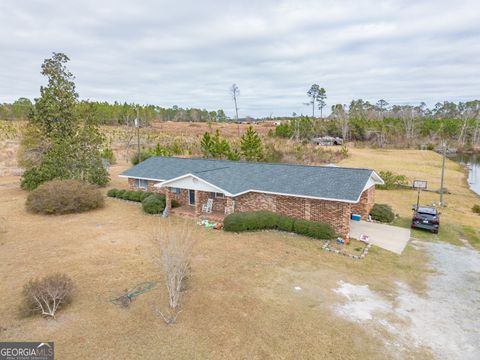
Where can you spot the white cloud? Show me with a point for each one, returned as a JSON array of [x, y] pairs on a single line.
[[189, 52]]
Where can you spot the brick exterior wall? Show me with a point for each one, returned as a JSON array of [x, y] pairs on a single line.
[[150, 187], [181, 198], [335, 213], [255, 202], [367, 200]]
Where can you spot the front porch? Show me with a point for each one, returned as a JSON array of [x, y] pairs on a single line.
[[189, 211]]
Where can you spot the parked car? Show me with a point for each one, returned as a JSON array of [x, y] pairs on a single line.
[[426, 218]]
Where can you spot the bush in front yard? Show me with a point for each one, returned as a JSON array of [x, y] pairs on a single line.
[[144, 195], [134, 196], [112, 193], [382, 213], [138, 196], [120, 193], [313, 229], [64, 197], [261, 220], [154, 204]]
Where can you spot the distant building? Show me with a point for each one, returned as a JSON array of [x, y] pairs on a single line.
[[327, 141], [247, 120]]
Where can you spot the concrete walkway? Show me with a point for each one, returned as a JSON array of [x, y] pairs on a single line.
[[388, 237]]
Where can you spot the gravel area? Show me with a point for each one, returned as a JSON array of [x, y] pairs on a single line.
[[445, 320]]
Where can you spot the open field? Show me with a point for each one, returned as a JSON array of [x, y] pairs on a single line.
[[180, 139], [240, 301], [457, 218]]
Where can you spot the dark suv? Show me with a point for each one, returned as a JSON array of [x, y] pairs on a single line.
[[426, 218]]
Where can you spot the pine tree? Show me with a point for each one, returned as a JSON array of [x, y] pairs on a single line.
[[68, 144], [206, 145], [214, 146], [251, 145]]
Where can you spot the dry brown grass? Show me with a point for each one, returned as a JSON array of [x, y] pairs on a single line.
[[424, 165], [239, 303], [229, 130]]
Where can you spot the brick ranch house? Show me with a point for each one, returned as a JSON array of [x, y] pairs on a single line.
[[319, 193]]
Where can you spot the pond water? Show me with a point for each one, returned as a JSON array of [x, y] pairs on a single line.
[[473, 164]]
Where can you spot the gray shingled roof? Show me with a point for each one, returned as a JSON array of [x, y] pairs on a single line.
[[234, 177]]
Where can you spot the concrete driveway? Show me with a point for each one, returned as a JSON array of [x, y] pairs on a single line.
[[388, 237]]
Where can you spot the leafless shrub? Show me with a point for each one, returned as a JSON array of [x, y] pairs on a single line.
[[45, 296], [176, 243]]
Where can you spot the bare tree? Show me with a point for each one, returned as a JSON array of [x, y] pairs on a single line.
[[409, 118], [47, 295], [176, 243], [339, 114], [235, 94]]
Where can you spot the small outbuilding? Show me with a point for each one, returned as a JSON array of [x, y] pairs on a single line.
[[327, 141]]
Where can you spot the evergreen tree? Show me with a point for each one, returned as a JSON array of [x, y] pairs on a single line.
[[214, 146], [234, 155], [251, 145], [322, 96], [68, 142], [220, 147], [206, 145]]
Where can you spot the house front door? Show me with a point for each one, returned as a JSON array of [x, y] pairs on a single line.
[[191, 197]]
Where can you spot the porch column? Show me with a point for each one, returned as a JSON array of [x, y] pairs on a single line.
[[198, 203], [168, 199], [230, 206]]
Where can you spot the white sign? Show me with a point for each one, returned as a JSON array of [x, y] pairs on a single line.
[[419, 184]]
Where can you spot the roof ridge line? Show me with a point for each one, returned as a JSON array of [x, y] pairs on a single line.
[[207, 170], [262, 163]]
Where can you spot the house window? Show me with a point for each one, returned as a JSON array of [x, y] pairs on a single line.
[[175, 190], [217, 195], [142, 184]]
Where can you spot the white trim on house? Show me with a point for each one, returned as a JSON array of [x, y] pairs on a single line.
[[378, 180], [141, 178], [296, 195], [373, 180], [192, 182], [369, 184]]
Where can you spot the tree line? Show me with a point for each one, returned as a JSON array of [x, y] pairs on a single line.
[[116, 113], [382, 124]]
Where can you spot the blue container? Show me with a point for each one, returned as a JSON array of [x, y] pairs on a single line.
[[356, 217]]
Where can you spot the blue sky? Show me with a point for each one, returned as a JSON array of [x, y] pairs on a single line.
[[188, 53]]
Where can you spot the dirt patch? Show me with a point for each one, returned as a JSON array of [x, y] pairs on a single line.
[[444, 320]]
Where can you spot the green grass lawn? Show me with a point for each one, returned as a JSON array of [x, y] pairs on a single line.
[[451, 233]]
